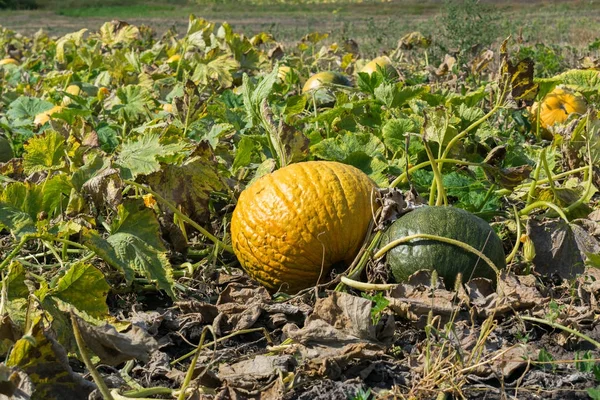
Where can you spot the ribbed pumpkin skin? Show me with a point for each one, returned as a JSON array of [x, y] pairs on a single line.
[[317, 80], [557, 106], [290, 224], [447, 259]]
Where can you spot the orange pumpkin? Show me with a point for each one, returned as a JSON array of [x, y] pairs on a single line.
[[556, 108], [291, 226]]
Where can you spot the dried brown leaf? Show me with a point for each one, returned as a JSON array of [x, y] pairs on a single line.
[[113, 347]]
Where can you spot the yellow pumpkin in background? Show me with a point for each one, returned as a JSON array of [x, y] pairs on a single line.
[[174, 58], [289, 227], [43, 117], [556, 108], [7, 61], [383, 63], [73, 90], [323, 78]]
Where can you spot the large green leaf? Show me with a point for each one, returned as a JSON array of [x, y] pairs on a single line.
[[23, 110], [140, 156], [135, 244], [585, 81], [218, 70], [342, 146], [20, 204], [394, 133], [132, 103]]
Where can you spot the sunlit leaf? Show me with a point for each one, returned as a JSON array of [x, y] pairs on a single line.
[[135, 245], [141, 156], [44, 153], [84, 287]]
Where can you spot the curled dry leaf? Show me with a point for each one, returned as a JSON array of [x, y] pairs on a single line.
[[113, 347], [105, 188], [254, 373]]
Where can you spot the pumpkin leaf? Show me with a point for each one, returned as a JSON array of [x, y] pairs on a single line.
[[45, 362], [23, 110], [584, 81], [394, 133], [114, 348], [140, 156], [44, 152], [560, 248], [84, 287], [135, 245], [190, 184]]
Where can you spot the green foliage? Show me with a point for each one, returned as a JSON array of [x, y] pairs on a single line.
[[379, 306], [130, 187]]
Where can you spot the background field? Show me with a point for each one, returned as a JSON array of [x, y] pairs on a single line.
[[376, 26]]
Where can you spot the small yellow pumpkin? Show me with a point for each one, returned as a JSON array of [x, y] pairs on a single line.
[[73, 90], [7, 61], [323, 78], [289, 227], [383, 63], [556, 108], [43, 117]]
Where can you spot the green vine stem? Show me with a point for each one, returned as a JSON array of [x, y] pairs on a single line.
[[355, 273], [142, 393], [458, 243], [404, 176], [502, 192], [561, 327], [190, 372], [438, 180], [471, 127], [88, 363], [586, 192], [15, 251], [549, 175], [363, 286], [541, 204], [515, 249], [535, 182], [181, 215]]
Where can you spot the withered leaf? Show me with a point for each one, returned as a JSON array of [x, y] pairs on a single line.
[[480, 62], [560, 247], [339, 318], [45, 361], [507, 178], [14, 384], [113, 347], [190, 184], [520, 77]]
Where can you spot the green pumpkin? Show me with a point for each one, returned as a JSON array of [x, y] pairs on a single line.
[[447, 259]]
